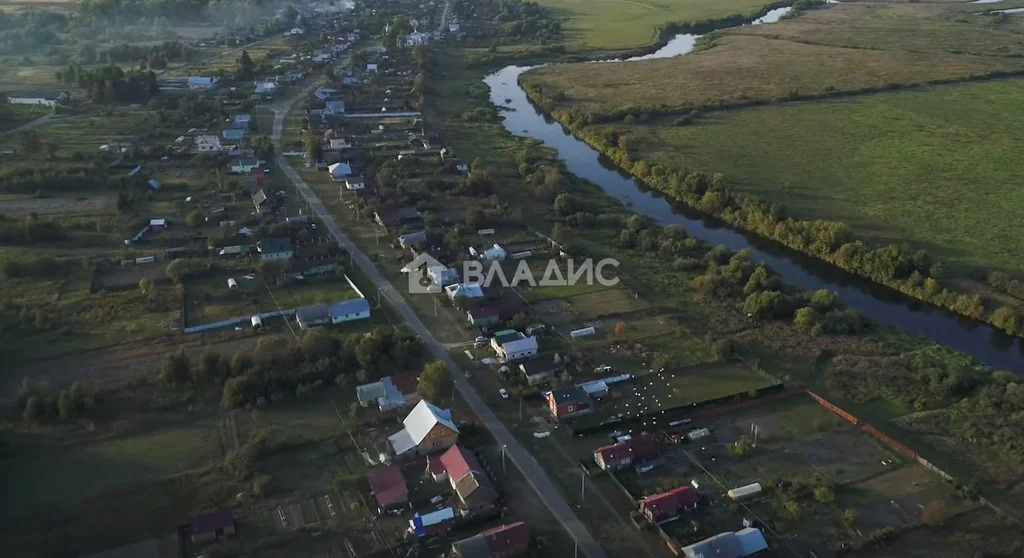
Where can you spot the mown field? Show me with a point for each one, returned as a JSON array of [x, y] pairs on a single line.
[[935, 167], [629, 23]]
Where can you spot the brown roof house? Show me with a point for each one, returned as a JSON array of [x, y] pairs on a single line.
[[462, 470], [668, 505], [505, 541], [427, 429], [388, 486], [212, 526], [542, 369], [625, 453]]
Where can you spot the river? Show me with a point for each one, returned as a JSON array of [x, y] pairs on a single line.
[[985, 343]]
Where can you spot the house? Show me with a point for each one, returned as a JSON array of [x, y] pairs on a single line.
[[461, 469], [212, 526], [568, 402], [390, 392], [207, 143], [416, 39], [45, 98], [432, 524], [413, 239], [389, 488], [453, 27], [234, 134], [201, 82], [510, 345], [483, 316], [668, 505], [444, 276], [157, 224], [427, 429], [266, 88], [334, 107], [339, 171], [476, 492], [349, 310], [504, 541], [261, 202], [465, 290], [595, 388], [245, 165], [371, 67], [744, 542], [340, 143], [452, 464], [394, 217], [312, 316], [355, 183], [625, 453], [241, 120], [325, 93], [275, 248], [542, 369]]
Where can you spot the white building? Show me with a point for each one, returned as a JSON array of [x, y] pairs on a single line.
[[207, 143], [415, 39], [45, 98], [339, 171]]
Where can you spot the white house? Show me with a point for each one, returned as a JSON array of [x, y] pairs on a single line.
[[453, 28], [334, 107], [427, 429], [416, 38], [201, 82], [512, 345], [340, 170], [45, 98], [340, 143], [371, 67], [207, 143], [355, 183], [266, 88]]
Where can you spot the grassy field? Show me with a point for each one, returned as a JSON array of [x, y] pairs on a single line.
[[628, 23], [742, 69], [934, 168]]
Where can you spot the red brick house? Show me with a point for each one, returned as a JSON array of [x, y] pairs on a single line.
[[625, 453], [569, 402], [668, 505]]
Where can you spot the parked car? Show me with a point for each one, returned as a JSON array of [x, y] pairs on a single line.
[[480, 341], [504, 393]]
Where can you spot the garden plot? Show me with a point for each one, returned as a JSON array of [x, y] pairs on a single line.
[[607, 302], [24, 205]]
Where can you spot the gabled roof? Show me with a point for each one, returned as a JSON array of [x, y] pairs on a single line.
[[458, 461], [639, 447], [260, 197], [351, 306], [389, 487], [571, 394], [468, 291], [475, 487], [423, 417], [668, 503], [274, 245], [542, 364], [498, 541], [484, 312], [525, 344]]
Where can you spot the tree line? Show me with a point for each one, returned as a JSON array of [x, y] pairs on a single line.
[[111, 83]]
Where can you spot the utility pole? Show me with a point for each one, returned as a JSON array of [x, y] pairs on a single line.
[[583, 485], [503, 446]]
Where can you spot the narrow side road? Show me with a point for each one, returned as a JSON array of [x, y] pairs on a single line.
[[520, 457]]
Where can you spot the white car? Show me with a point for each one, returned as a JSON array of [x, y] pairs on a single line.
[[504, 393]]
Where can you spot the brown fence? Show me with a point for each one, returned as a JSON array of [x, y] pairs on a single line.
[[904, 450]]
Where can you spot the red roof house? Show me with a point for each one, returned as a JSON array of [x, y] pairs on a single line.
[[568, 402], [624, 453], [667, 505], [453, 464], [505, 541], [388, 486]]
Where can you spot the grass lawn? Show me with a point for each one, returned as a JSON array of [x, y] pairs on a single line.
[[935, 168], [87, 133], [740, 69], [707, 381], [318, 290], [63, 479], [626, 23]]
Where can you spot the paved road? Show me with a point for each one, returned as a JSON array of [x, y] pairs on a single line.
[[532, 471]]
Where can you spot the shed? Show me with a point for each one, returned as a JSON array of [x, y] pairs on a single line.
[[745, 491]]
